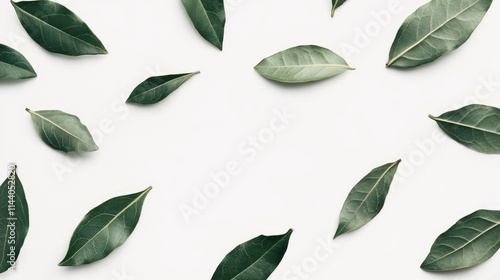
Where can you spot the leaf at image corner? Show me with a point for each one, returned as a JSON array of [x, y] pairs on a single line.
[[62, 131], [471, 241], [209, 18], [474, 126], [57, 29], [302, 64], [336, 4], [435, 29], [13, 65], [14, 218], [366, 198], [104, 228], [255, 259], [155, 89]]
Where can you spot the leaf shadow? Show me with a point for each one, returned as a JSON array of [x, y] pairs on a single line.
[[301, 86]]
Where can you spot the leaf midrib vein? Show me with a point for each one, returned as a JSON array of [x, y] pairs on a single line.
[[53, 27], [429, 34], [56, 125], [110, 222], [370, 192]]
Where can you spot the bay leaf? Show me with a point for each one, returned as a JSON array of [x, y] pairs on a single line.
[[209, 18], [13, 65], [57, 29], [62, 131], [155, 89], [471, 241], [336, 4], [474, 126], [104, 228], [255, 259], [302, 64], [14, 220], [435, 29], [366, 198]]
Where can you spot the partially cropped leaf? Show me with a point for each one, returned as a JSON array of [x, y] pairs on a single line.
[[14, 220], [13, 65], [302, 64], [475, 126], [57, 29], [435, 29], [209, 18], [255, 259], [471, 241], [62, 131], [104, 229], [336, 4], [155, 89], [366, 199]]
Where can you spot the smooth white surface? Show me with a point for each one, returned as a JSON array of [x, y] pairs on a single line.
[[343, 127]]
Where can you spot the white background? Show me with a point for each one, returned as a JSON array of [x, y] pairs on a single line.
[[343, 128]]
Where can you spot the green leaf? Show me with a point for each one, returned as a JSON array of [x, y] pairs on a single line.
[[57, 29], [209, 18], [366, 199], [474, 126], [336, 4], [62, 131], [13, 65], [255, 259], [155, 89], [14, 220], [104, 229], [471, 241], [435, 29], [302, 64]]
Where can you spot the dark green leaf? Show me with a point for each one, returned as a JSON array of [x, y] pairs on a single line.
[[336, 4], [14, 220], [209, 18], [471, 241], [155, 89], [302, 64], [475, 126], [13, 65], [255, 259], [366, 199], [435, 29], [62, 131], [57, 29], [104, 229]]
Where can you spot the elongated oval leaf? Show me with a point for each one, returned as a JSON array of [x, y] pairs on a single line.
[[14, 220], [104, 229], [13, 65], [209, 18], [435, 29], [255, 259], [155, 89], [62, 131], [366, 199], [57, 29], [336, 4], [471, 241], [302, 64], [474, 126]]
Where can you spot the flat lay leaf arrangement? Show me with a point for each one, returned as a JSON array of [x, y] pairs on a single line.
[[433, 30]]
